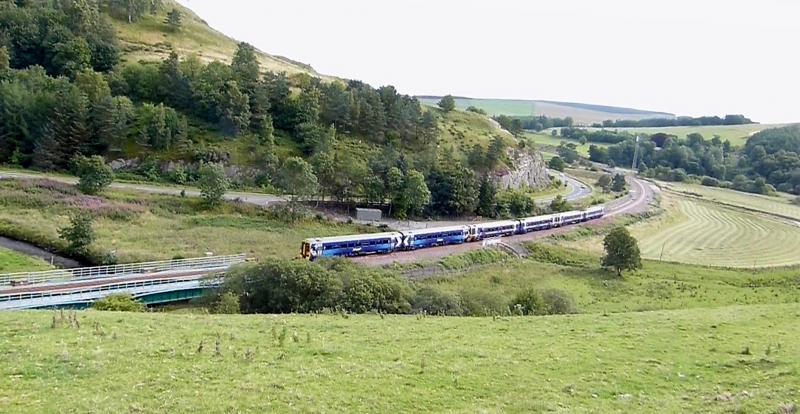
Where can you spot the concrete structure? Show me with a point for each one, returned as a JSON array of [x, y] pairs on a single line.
[[368, 214]]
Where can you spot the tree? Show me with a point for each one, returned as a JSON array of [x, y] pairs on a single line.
[[297, 179], [72, 57], [447, 103], [93, 173], [618, 184], [568, 152], [556, 163], [79, 234], [560, 205], [235, 109], [5, 64], [486, 198], [604, 182], [622, 251], [174, 19], [416, 192], [212, 182]]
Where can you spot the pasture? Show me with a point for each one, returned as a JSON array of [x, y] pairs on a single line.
[[742, 358], [547, 140], [736, 134], [703, 232]]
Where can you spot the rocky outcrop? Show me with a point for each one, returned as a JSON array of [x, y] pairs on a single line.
[[529, 170]]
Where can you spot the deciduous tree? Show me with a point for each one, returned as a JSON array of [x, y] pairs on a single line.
[[622, 251]]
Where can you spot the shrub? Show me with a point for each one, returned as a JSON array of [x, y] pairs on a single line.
[[79, 234], [436, 302], [529, 302], [558, 302], [213, 183], [480, 302], [710, 182], [226, 304], [95, 175], [119, 303]]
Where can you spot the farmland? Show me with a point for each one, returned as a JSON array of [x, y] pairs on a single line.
[[548, 140], [708, 233], [736, 134], [581, 113], [743, 358], [780, 205]]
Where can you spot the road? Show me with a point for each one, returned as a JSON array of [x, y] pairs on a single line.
[[638, 200]]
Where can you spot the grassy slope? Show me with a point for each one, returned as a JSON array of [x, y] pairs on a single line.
[[462, 130], [669, 361], [153, 227], [150, 39], [11, 262]]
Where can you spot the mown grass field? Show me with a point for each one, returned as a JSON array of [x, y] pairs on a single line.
[[742, 359], [780, 205], [736, 134], [703, 232], [12, 262], [142, 227]]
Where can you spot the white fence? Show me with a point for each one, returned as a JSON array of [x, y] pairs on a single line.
[[100, 272]]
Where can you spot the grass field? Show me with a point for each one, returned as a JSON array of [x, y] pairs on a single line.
[[462, 130], [11, 262], [779, 205], [741, 359], [583, 114], [736, 134], [658, 286], [703, 232], [548, 140], [140, 227]]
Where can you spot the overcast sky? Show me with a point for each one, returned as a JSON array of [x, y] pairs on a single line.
[[690, 57]]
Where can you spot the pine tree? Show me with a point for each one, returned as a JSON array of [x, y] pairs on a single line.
[[486, 198], [174, 19]]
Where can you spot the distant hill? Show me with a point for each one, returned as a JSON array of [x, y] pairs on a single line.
[[149, 39], [580, 112]]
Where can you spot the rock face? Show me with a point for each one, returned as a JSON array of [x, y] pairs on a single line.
[[529, 170]]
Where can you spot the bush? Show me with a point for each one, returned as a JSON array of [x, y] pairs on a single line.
[[710, 182], [283, 286], [119, 303], [79, 234], [213, 183], [480, 302], [558, 302], [226, 304], [94, 174], [436, 302], [529, 302]]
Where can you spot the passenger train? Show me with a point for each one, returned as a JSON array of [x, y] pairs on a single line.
[[385, 243]]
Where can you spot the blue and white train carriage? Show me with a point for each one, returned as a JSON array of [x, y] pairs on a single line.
[[345, 246], [493, 229], [440, 236]]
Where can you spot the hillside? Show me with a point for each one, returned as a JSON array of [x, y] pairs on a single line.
[[582, 113], [150, 39]]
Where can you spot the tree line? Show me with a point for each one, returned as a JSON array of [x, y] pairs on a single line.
[[677, 121]]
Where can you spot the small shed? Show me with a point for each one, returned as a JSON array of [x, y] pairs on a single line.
[[368, 214]]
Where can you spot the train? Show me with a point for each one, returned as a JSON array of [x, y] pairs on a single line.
[[390, 242]]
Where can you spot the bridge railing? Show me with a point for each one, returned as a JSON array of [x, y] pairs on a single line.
[[100, 272]]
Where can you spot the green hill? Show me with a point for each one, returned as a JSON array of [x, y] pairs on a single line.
[[584, 114], [150, 39]]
